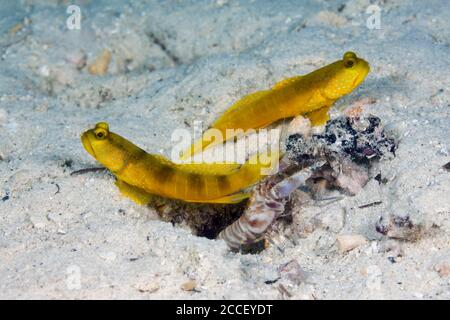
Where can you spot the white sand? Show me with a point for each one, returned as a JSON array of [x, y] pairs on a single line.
[[86, 241]]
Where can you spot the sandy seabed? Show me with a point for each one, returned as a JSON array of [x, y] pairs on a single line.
[[175, 62]]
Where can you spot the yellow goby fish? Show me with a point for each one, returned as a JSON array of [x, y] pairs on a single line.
[[310, 95], [140, 174]]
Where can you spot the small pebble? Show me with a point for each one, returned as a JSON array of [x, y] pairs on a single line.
[[189, 285], [300, 125], [292, 272], [443, 267], [108, 255], [100, 66], [44, 70], [147, 286], [347, 242]]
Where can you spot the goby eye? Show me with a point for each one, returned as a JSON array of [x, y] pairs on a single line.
[[349, 63], [101, 130], [349, 59], [100, 133]]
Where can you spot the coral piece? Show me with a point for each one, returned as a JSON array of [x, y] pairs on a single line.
[[347, 145], [359, 139], [400, 227]]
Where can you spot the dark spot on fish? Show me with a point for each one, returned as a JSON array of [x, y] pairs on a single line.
[[223, 182], [164, 173], [196, 182]]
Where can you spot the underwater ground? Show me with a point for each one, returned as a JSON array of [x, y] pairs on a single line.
[[150, 67]]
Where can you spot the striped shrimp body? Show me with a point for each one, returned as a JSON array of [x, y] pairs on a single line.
[[266, 204], [140, 175]]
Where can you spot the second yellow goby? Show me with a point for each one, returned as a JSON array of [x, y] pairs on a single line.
[[310, 95]]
